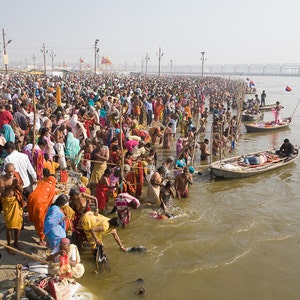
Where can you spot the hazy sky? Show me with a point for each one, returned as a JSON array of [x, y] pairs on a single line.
[[229, 31]]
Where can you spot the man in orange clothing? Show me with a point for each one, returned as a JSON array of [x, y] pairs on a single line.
[[39, 201]]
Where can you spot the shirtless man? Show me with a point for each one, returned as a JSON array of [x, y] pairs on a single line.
[[11, 189], [182, 182], [204, 149]]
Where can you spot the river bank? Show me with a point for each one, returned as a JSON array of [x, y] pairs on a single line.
[[8, 262]]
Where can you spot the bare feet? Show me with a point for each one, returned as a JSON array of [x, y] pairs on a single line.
[[42, 243], [18, 246]]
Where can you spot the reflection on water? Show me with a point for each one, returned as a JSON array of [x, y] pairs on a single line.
[[231, 239]]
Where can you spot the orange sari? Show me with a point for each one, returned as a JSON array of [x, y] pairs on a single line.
[[39, 201]]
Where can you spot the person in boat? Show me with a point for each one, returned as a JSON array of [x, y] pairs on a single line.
[[278, 108], [263, 98], [286, 150], [66, 248], [256, 101]]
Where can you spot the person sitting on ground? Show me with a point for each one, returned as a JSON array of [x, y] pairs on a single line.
[[65, 247], [286, 149]]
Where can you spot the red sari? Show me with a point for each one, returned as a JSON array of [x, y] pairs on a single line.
[[102, 194]]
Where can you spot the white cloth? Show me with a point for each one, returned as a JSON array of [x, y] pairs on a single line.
[[22, 165], [60, 149]]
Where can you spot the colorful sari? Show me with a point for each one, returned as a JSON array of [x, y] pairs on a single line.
[[9, 134], [54, 226], [89, 221], [39, 201], [102, 194]]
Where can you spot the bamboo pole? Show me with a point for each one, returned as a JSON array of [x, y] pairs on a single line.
[[25, 254], [121, 145], [196, 135], [34, 123], [221, 140]]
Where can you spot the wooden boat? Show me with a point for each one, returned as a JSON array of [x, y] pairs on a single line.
[[251, 115], [268, 107], [268, 126], [250, 91], [235, 167]]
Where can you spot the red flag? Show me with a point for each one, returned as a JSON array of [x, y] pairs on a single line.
[[81, 61], [288, 89]]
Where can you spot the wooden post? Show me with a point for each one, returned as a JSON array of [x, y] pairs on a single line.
[[121, 144], [195, 137], [19, 282]]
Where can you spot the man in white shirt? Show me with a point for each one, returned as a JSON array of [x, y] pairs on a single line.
[[22, 165]]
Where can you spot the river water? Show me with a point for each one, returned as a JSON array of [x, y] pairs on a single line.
[[231, 239]]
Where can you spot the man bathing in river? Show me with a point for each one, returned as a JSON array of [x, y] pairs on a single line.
[[182, 182]]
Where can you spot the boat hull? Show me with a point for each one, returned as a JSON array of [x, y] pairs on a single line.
[[220, 168], [267, 107], [248, 117], [263, 127]]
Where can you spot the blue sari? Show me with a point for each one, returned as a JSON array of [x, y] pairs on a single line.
[[9, 134], [73, 148], [54, 226]]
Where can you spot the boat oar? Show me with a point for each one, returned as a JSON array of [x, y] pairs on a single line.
[[25, 254], [295, 109]]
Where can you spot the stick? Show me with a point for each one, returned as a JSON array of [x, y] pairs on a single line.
[[34, 121], [25, 254], [195, 137], [295, 109]]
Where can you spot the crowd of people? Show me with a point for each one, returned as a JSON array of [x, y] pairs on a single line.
[[108, 129]]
